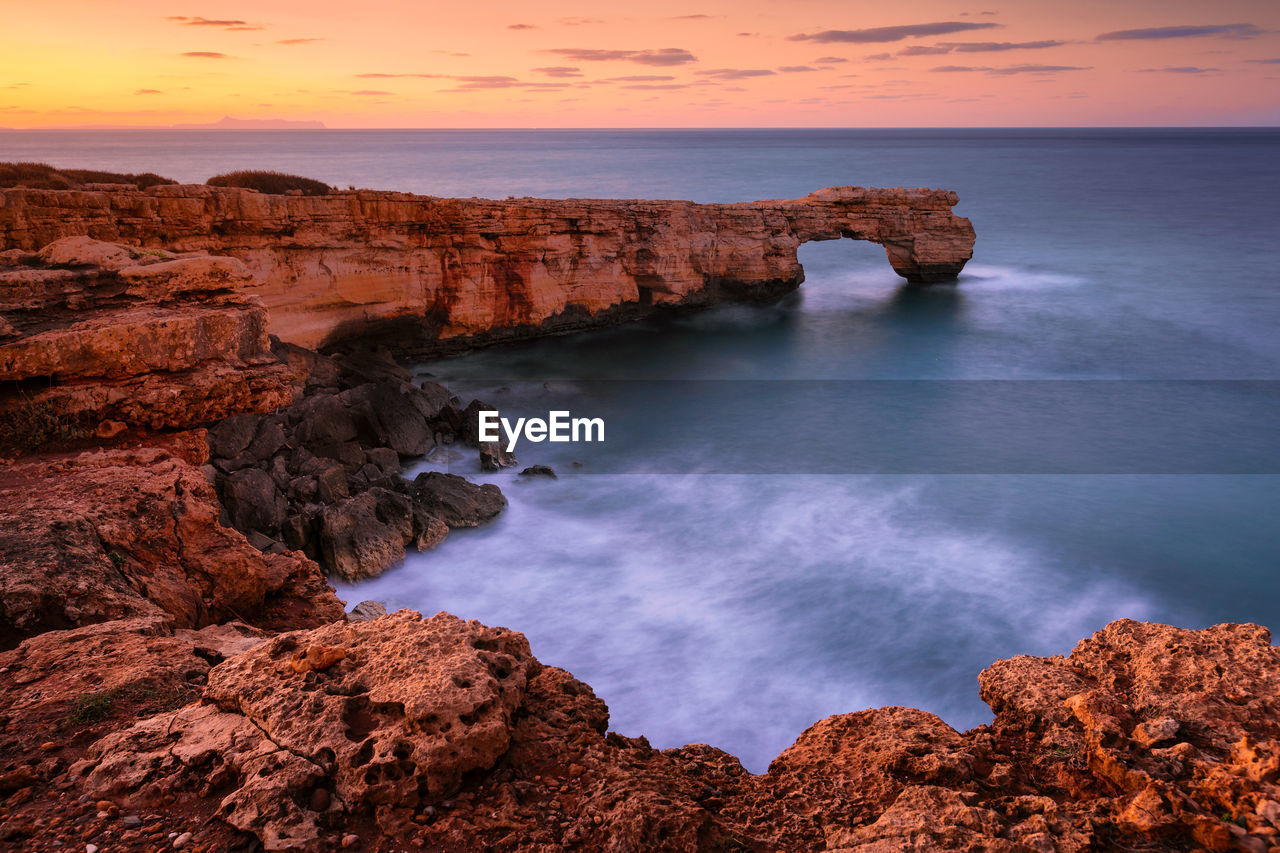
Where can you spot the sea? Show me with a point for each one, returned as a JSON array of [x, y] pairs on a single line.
[[866, 492]]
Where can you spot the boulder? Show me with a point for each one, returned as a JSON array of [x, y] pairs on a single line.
[[252, 500], [355, 543], [539, 471], [367, 611], [405, 710], [494, 458], [456, 501]]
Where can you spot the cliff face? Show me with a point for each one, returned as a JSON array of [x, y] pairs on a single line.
[[437, 273]]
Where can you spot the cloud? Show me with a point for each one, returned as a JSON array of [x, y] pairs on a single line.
[[205, 54], [663, 56], [993, 46], [691, 17], [736, 73], [826, 59], [1010, 69], [879, 57], [923, 50], [1235, 31], [580, 22], [873, 35], [560, 71], [370, 92], [1275, 61], [148, 92], [640, 78], [1179, 69], [522, 26], [226, 24], [795, 69], [650, 87], [379, 76], [299, 41]]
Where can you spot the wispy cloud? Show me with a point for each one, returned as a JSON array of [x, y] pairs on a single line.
[[825, 60], [1235, 31], [205, 54], [234, 25], [1275, 61], [662, 56], [924, 50], [1010, 69], [736, 73], [873, 35], [795, 69], [368, 92], [382, 76], [148, 92], [560, 71], [300, 41], [1179, 69], [640, 78], [522, 26], [994, 46]]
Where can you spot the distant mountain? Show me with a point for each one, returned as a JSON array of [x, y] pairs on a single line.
[[229, 123]]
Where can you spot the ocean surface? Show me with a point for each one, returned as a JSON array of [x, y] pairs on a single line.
[[864, 493]]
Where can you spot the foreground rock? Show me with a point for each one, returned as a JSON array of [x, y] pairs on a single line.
[[448, 735], [430, 274], [97, 333], [112, 533]]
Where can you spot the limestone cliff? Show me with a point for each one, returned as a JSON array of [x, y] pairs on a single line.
[[437, 273]]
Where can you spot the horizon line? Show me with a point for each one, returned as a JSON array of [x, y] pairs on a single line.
[[153, 128]]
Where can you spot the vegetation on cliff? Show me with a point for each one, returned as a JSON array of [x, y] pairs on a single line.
[[42, 176], [277, 183]]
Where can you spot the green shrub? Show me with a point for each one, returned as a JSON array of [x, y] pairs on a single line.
[[42, 176], [276, 183], [89, 708], [30, 425]]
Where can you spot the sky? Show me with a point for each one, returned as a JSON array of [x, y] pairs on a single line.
[[718, 63]]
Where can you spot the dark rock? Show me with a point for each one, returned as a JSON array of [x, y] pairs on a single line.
[[323, 421], [296, 532], [435, 396], [331, 483], [367, 611], [279, 471], [457, 502], [373, 474], [539, 471], [385, 458], [371, 365], [469, 427], [493, 457], [268, 440], [428, 531], [303, 489], [252, 501], [354, 543], [231, 437], [387, 417]]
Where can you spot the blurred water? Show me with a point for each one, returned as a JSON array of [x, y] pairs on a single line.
[[737, 608]]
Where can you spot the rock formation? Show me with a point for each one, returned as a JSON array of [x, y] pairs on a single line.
[[436, 273], [447, 735], [98, 332]]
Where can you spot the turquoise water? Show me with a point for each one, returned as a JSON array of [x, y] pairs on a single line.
[[740, 603]]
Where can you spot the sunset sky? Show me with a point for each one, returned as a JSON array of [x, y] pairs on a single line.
[[718, 63]]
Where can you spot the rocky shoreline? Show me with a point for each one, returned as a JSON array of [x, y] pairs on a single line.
[[176, 673]]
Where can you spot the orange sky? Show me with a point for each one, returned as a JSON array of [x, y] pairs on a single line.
[[720, 63]]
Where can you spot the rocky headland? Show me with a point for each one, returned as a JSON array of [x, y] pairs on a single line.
[[176, 673], [430, 275]]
